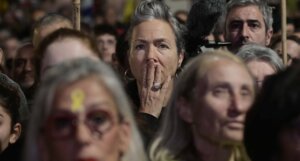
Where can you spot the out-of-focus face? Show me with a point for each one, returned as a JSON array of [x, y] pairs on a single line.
[[47, 30], [1, 57], [24, 72], [289, 142], [246, 24], [223, 97], [11, 45], [64, 50], [5, 129], [260, 70], [84, 124], [153, 47], [107, 47], [293, 50]]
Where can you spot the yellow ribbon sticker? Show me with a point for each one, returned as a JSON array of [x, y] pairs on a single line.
[[77, 98]]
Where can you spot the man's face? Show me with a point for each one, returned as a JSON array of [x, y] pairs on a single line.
[[24, 69], [246, 24]]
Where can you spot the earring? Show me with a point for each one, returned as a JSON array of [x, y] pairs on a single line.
[[128, 75]]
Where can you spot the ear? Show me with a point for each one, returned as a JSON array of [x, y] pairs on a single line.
[[184, 110], [269, 35], [125, 136], [16, 133], [180, 59]]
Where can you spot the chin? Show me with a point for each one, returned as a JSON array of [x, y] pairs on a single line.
[[234, 136], [27, 85]]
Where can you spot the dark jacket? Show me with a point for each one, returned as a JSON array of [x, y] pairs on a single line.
[[147, 124]]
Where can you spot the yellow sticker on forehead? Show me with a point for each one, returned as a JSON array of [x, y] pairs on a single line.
[[77, 99]]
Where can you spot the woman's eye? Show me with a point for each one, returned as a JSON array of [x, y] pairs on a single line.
[[139, 47], [62, 123], [98, 120], [220, 92]]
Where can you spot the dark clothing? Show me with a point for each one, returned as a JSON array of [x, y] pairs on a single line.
[[147, 124], [13, 152]]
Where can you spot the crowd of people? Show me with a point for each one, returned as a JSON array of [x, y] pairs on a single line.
[[163, 87]]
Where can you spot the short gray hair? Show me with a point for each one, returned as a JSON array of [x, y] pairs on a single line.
[[261, 4], [72, 71], [250, 52], [157, 9]]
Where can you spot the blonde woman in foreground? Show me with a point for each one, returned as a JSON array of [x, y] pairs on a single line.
[[205, 119]]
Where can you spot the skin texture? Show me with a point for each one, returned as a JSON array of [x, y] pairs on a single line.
[[225, 97], [107, 47], [84, 144], [60, 50], [246, 24], [293, 50], [260, 70], [153, 60], [217, 111], [44, 31], [24, 68], [7, 135]]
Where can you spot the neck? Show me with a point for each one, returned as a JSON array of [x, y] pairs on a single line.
[[209, 151]]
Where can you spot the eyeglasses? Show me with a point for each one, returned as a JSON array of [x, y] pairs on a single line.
[[63, 124]]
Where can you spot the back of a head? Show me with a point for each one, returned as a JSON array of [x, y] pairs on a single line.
[[62, 34], [12, 96], [257, 52], [105, 29], [202, 18], [47, 22], [275, 108]]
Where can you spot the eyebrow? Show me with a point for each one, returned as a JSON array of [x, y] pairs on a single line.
[[253, 21], [248, 21], [155, 40]]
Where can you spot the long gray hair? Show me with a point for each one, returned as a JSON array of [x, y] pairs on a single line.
[[72, 71], [175, 140]]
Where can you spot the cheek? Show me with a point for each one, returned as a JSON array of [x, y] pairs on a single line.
[[212, 111], [136, 65], [62, 150], [4, 137], [169, 64], [113, 150]]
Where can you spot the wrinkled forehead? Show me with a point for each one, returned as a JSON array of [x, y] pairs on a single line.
[[225, 69], [250, 11]]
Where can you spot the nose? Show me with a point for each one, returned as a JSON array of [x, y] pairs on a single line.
[[83, 134], [152, 53], [245, 31], [28, 66], [237, 106]]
